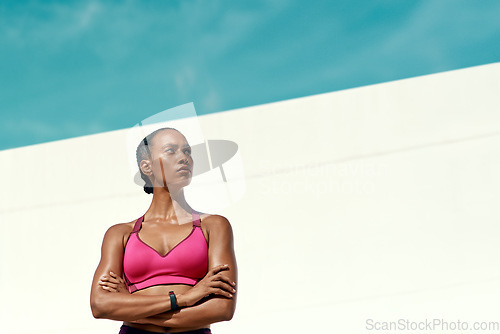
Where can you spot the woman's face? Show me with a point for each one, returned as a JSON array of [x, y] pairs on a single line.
[[170, 152]]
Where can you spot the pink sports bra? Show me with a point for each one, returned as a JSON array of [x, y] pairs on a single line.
[[185, 263]]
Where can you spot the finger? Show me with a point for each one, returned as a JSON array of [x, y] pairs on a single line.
[[107, 288], [221, 292], [224, 286], [109, 284], [116, 279], [113, 280], [116, 276], [220, 276], [218, 268], [104, 278], [224, 278]]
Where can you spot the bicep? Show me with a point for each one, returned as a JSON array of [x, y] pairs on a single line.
[[111, 257], [221, 247]]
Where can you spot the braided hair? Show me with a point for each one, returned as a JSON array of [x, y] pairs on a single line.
[[143, 153]]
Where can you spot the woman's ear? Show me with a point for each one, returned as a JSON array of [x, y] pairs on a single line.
[[146, 168]]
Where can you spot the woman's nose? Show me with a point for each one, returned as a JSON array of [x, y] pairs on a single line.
[[184, 158]]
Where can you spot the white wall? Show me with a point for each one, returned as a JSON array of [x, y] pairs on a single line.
[[375, 202]]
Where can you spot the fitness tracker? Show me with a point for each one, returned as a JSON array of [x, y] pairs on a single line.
[[173, 301]]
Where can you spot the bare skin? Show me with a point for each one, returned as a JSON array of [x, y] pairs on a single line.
[[166, 223]]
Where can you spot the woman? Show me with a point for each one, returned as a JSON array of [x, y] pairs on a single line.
[[154, 271]]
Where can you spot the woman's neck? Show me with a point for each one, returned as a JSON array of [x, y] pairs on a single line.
[[169, 205]]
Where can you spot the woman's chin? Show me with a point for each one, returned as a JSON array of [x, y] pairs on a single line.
[[179, 184]]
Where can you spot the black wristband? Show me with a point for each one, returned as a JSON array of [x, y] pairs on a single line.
[[173, 301]]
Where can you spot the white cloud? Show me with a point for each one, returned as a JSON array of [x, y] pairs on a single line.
[[49, 23], [185, 80], [428, 38], [211, 100], [88, 14]]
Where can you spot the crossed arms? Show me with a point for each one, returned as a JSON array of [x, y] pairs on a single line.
[[211, 300]]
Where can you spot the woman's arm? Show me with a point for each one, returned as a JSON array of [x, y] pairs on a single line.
[[200, 314], [216, 308], [122, 305]]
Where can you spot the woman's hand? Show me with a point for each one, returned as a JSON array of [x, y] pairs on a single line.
[[113, 283], [214, 282]]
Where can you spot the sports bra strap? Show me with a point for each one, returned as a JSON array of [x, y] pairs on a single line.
[[196, 219], [138, 224]]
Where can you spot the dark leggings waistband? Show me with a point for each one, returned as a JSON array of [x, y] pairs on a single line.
[[132, 330]]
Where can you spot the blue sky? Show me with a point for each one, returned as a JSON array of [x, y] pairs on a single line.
[[74, 68]]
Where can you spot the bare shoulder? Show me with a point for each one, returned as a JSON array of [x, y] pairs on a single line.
[[208, 218], [220, 236], [121, 228], [119, 231], [216, 222]]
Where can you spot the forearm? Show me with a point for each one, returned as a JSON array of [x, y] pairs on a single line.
[[128, 307], [208, 311]]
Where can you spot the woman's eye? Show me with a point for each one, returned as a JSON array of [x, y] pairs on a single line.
[[188, 151]]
